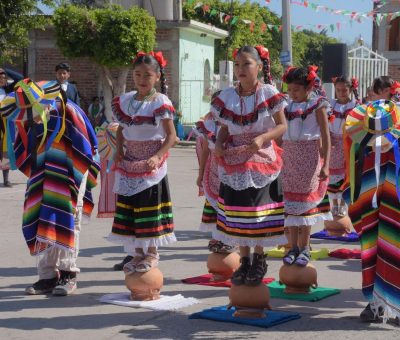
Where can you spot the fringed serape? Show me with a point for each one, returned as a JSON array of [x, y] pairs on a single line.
[[379, 230], [55, 178]]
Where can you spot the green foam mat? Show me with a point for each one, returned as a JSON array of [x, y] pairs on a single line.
[[277, 291], [317, 254]]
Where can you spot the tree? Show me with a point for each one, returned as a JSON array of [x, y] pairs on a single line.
[[17, 18], [241, 31], [110, 37], [307, 47]]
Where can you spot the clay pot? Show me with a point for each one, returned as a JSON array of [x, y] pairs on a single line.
[[340, 226], [222, 266], [298, 279], [145, 286], [250, 302]]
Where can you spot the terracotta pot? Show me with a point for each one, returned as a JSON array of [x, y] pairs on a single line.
[[222, 266], [145, 286], [298, 279], [340, 226], [247, 297]]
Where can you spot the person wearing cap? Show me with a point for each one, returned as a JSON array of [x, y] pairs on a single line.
[[5, 88], [56, 148], [372, 190], [63, 73]]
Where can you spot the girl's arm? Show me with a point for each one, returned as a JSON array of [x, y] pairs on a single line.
[[119, 153], [276, 133], [223, 135], [169, 142], [322, 119], [205, 152]]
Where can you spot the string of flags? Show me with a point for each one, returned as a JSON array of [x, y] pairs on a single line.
[[355, 16]]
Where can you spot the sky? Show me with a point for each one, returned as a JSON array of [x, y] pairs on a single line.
[[301, 15], [348, 33]]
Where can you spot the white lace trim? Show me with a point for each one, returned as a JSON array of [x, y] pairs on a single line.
[[248, 242], [127, 186], [379, 303], [207, 227], [295, 221], [244, 180], [131, 242], [298, 208], [213, 202]]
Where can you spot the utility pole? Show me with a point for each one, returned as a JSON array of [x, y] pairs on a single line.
[[286, 53]]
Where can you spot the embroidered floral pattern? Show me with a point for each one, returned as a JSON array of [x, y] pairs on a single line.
[[290, 115]]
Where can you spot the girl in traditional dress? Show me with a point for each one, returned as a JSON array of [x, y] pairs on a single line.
[[208, 180], [143, 218], [250, 213], [305, 167], [341, 106], [373, 193]]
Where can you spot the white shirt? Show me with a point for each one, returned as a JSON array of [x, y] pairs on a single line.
[[307, 128], [337, 125], [142, 120], [231, 109]]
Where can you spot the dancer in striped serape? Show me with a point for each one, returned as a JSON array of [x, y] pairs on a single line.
[[373, 190], [54, 148], [250, 211], [143, 218]]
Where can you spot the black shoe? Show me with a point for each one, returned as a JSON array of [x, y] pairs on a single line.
[[120, 266], [257, 270], [42, 286], [8, 184], [367, 315], [66, 285], [239, 275]]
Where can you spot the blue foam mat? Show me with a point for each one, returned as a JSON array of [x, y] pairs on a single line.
[[223, 314], [323, 234]]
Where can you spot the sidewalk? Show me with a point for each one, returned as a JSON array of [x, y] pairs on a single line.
[[82, 316]]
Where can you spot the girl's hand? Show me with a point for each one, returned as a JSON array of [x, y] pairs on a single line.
[[199, 181], [119, 155], [256, 144], [324, 173], [154, 162], [219, 150]]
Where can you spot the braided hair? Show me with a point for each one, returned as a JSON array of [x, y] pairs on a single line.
[[150, 60], [381, 83], [297, 75]]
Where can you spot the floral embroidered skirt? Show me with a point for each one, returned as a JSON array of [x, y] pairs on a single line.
[[303, 192], [337, 166]]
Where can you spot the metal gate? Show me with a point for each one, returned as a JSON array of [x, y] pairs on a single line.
[[365, 65]]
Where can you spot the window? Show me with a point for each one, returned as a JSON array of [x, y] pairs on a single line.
[[394, 35]]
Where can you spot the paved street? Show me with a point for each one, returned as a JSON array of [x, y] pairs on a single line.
[[81, 316]]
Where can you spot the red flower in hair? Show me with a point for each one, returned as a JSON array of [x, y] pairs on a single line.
[[287, 72], [395, 88], [235, 52], [160, 58], [354, 83], [139, 54], [157, 56], [312, 73], [262, 51]]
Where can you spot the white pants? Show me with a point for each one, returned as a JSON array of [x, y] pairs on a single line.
[[55, 259]]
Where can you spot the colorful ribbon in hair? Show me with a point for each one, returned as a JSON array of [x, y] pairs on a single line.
[[284, 77], [156, 55], [374, 125], [29, 104], [354, 83], [395, 88]]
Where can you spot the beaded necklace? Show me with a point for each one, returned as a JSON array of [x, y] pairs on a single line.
[[302, 122], [132, 108], [243, 104]]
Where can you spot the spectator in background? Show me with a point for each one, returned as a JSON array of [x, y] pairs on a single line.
[[6, 87], [63, 72], [96, 112]]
